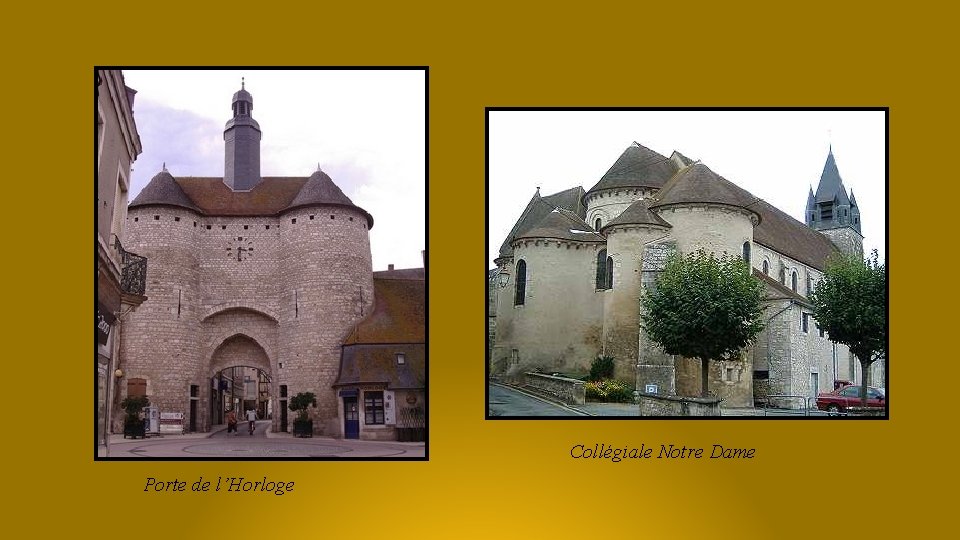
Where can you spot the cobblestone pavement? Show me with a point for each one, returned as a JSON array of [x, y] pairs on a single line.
[[241, 445]]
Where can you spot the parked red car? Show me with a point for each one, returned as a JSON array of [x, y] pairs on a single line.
[[849, 396]]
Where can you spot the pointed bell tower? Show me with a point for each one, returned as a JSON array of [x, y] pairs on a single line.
[[241, 138], [834, 213]]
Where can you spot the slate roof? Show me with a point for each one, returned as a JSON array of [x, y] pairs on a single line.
[[273, 195], [538, 208], [164, 189], [320, 190], [637, 214], [637, 166], [830, 181], [562, 224]]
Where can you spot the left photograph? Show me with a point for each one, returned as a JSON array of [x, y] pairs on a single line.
[[247, 307]]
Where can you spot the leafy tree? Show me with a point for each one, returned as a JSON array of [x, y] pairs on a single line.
[[703, 307], [301, 402], [850, 303]]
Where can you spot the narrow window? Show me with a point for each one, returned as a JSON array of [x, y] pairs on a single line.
[[783, 275], [401, 358], [805, 322], [373, 407], [766, 268], [602, 269], [793, 281], [597, 224], [176, 218], [746, 253], [521, 283], [609, 282], [809, 284]]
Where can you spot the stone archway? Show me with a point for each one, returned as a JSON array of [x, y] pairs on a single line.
[[234, 364]]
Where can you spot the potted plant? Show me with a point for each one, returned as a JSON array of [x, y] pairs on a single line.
[[133, 425], [302, 425]]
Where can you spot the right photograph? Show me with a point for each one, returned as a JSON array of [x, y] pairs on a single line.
[[687, 263]]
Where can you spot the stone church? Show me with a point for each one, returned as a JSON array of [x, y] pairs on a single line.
[[271, 273], [569, 276]]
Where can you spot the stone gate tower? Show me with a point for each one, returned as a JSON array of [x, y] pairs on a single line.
[[244, 271]]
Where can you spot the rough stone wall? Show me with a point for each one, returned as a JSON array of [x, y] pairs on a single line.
[[326, 286], [572, 391], [714, 229], [159, 340], [621, 313], [558, 326], [608, 204], [776, 260], [295, 291], [847, 239]]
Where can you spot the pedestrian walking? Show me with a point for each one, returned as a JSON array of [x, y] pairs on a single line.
[[231, 421]]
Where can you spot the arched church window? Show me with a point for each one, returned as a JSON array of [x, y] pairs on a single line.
[[609, 273], [596, 225], [783, 274], [521, 283], [809, 284], [793, 281], [766, 268], [601, 268], [746, 252]]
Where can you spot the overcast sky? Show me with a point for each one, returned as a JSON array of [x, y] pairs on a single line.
[[776, 155], [366, 129]]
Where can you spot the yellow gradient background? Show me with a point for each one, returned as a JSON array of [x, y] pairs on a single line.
[[492, 479]]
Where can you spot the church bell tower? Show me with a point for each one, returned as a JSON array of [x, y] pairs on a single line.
[[241, 138], [834, 213]]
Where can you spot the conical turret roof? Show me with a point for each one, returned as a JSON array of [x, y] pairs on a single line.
[[538, 207], [562, 224], [698, 184], [637, 166], [320, 190], [637, 213], [163, 189]]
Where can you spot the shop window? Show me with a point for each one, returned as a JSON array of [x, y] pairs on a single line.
[[373, 407]]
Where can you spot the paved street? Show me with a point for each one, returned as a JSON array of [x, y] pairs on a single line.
[[260, 445], [506, 401]]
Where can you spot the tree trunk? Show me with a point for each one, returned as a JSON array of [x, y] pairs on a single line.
[[865, 380], [704, 375]]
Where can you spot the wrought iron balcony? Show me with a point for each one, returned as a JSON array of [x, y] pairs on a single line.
[[133, 270]]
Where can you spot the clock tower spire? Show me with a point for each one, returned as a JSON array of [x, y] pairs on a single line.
[[242, 144]]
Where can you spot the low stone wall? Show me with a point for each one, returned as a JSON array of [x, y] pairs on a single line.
[[572, 391], [655, 405]]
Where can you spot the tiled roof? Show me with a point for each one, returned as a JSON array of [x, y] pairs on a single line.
[[563, 225], [637, 214], [273, 195], [399, 313], [377, 364], [698, 184], [830, 181], [782, 233], [774, 290], [637, 166], [538, 208], [269, 197]]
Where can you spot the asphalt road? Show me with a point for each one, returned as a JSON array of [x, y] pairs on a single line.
[[508, 402]]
